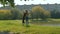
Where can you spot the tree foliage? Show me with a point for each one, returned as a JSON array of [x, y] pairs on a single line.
[[7, 2], [40, 12], [55, 13], [10, 14]]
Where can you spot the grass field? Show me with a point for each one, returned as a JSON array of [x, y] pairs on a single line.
[[16, 26]]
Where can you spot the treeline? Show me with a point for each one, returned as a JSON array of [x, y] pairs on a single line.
[[35, 13], [40, 12]]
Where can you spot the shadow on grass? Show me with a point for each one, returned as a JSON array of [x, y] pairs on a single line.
[[8, 32]]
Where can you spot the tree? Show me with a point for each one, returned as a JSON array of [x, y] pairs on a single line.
[[55, 13], [7, 2], [11, 3], [40, 12], [3, 2]]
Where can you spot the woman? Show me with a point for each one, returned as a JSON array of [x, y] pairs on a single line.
[[27, 23], [25, 17]]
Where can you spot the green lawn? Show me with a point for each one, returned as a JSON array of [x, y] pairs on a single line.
[[16, 26]]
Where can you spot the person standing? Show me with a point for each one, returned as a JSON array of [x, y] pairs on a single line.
[[23, 22], [25, 17]]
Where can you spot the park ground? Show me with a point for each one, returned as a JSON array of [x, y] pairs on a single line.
[[15, 26]]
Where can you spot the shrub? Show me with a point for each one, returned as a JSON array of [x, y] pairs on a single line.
[[40, 12]]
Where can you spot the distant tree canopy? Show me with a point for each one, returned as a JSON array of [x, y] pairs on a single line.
[[40, 12], [10, 14], [7, 2], [55, 14]]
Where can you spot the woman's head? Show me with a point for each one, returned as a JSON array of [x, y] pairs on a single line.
[[26, 11]]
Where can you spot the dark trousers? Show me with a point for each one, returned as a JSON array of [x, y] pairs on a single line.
[[23, 20]]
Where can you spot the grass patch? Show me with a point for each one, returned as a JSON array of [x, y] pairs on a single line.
[[16, 26], [49, 21]]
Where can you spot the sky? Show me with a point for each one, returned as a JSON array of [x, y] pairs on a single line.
[[36, 2], [18, 2]]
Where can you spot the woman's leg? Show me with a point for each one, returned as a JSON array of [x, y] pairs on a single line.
[[27, 23], [23, 21]]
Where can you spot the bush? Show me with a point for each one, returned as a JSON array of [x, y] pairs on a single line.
[[4, 14], [16, 14], [10, 14], [40, 12]]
